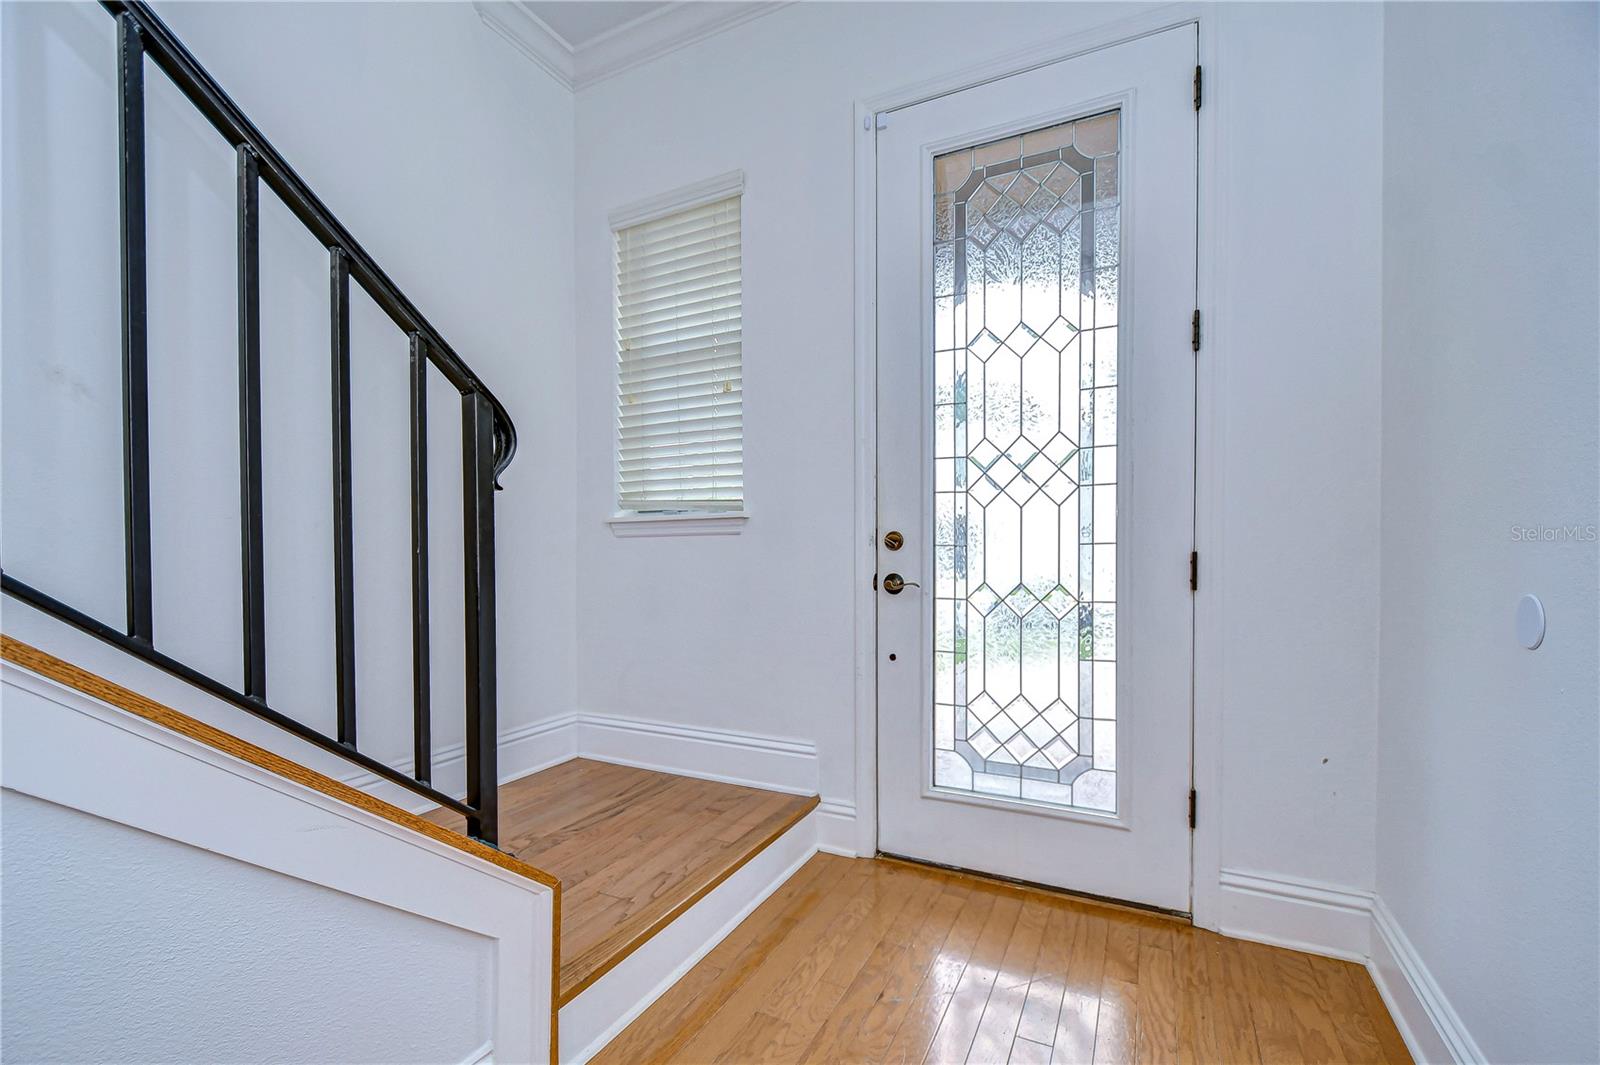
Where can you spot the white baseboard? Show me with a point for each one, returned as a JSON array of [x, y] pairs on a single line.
[[836, 827], [611, 1003], [747, 758], [1432, 1029], [1305, 915], [1341, 922], [750, 759], [523, 750]]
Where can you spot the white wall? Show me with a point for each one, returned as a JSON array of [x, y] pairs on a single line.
[[1487, 828], [1292, 643], [754, 632], [449, 157]]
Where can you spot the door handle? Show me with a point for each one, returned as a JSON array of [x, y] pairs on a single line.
[[894, 584]]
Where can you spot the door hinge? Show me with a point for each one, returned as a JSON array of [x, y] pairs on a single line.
[[1194, 571], [1197, 88], [1194, 331], [1192, 801]]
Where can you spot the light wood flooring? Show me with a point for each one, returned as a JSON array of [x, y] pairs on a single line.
[[632, 849], [874, 960]]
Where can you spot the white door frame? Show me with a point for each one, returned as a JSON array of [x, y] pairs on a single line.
[[1207, 689]]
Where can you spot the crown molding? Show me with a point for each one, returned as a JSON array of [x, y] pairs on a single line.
[[638, 41], [528, 34], [661, 32]]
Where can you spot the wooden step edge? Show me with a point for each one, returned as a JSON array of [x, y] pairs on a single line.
[[567, 994], [97, 687]]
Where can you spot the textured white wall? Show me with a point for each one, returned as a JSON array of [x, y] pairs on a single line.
[[121, 945], [754, 632], [1487, 827], [449, 157]]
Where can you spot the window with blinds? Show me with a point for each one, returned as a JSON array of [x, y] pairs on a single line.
[[680, 406]]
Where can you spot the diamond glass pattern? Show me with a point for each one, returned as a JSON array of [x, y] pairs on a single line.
[[1027, 239]]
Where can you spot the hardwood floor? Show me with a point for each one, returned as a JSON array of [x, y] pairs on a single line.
[[632, 849], [872, 960]]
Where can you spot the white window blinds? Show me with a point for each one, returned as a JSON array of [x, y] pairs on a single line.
[[680, 404]]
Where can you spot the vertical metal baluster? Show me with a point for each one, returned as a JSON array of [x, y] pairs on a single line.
[[421, 675], [253, 564], [135, 334], [343, 541], [477, 467]]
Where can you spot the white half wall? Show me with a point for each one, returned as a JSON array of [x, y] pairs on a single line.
[[166, 902], [1488, 840]]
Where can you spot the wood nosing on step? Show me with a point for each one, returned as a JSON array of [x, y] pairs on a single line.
[[644, 935], [97, 687]]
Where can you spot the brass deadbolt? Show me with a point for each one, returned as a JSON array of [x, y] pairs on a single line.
[[893, 540]]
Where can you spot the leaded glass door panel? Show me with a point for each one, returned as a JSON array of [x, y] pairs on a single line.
[[1036, 250], [1025, 416]]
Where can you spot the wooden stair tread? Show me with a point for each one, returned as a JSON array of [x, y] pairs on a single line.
[[633, 849]]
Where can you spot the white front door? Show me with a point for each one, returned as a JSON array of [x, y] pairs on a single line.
[[1036, 284]]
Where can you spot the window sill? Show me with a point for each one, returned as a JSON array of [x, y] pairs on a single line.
[[684, 524]]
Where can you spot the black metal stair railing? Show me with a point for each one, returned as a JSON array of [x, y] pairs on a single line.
[[488, 442]]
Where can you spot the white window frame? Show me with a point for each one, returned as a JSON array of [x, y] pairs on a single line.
[[688, 522]]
